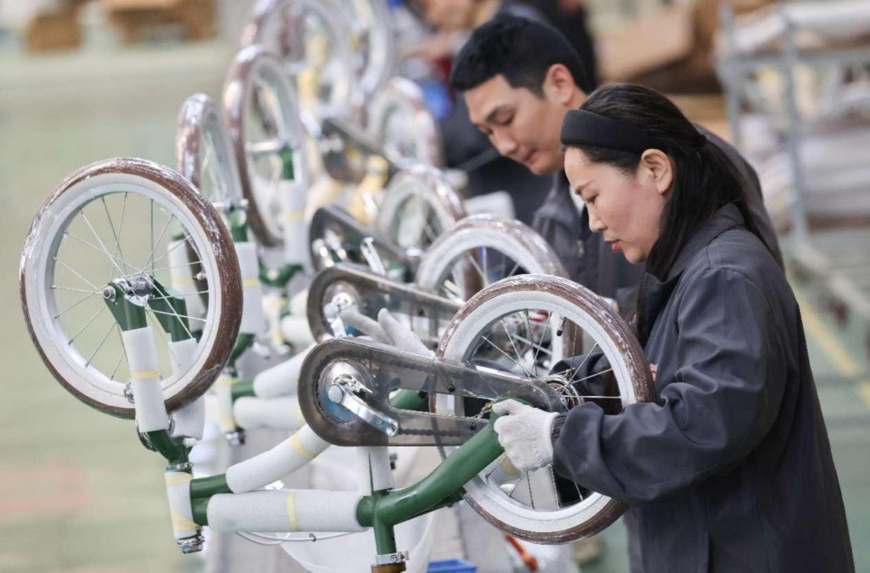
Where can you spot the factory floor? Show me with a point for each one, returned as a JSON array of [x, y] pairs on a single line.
[[77, 492]]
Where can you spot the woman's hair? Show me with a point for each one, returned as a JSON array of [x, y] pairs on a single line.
[[704, 181]]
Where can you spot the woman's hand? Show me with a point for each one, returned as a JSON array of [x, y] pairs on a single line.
[[525, 433]]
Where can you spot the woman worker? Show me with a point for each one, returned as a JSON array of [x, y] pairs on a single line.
[[730, 469]]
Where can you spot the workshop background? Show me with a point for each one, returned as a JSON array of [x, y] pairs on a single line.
[[80, 80]]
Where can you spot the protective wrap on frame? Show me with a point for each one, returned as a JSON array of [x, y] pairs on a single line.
[[223, 389], [253, 317], [296, 330], [145, 379], [285, 511], [181, 272], [295, 225], [282, 379], [180, 510], [189, 421], [280, 461], [279, 413], [374, 462]]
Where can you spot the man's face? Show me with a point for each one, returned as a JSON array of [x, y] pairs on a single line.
[[520, 125]]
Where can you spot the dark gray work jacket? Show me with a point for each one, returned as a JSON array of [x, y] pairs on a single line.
[[588, 259], [730, 469]]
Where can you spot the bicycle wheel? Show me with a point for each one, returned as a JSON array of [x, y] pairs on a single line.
[[507, 326], [402, 124], [373, 43], [205, 155], [269, 142], [312, 39], [118, 223], [417, 207], [480, 250]]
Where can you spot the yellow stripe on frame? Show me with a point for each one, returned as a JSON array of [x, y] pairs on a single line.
[[144, 374], [181, 523], [300, 449], [293, 217], [177, 478], [250, 281], [291, 511]]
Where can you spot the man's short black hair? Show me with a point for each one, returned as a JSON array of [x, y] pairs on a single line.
[[519, 49]]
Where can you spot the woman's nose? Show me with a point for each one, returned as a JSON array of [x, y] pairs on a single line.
[[596, 225]]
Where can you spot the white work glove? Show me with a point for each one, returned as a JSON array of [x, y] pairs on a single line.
[[525, 433], [387, 330]]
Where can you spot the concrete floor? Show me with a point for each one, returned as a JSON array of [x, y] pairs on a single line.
[[77, 492]]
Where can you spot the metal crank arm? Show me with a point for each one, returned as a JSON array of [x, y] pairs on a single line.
[[345, 286], [345, 386], [333, 229]]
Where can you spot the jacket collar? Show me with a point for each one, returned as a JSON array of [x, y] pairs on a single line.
[[725, 219], [654, 293]]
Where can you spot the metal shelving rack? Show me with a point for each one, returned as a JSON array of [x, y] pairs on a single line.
[[832, 267]]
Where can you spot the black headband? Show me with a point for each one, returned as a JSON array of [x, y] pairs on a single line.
[[586, 128]]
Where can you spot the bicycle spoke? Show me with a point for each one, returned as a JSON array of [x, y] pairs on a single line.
[[116, 234], [159, 269], [179, 295], [583, 363], [476, 266], [101, 249], [75, 304], [543, 333], [159, 328], [150, 258], [151, 227], [517, 352], [55, 287], [87, 324], [485, 268], [169, 250], [532, 345], [100, 345], [121, 357], [593, 376], [72, 270], [100, 241], [176, 315], [508, 356]]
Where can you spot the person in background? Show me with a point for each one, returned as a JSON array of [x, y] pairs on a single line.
[[519, 79], [730, 467], [464, 147]]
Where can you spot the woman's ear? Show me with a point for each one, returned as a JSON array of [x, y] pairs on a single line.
[[659, 169]]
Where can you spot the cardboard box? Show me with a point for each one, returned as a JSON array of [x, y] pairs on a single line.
[[646, 44], [53, 31]]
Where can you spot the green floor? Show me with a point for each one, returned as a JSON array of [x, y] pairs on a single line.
[[77, 493]]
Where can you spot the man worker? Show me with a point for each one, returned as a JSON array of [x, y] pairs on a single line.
[[519, 78]]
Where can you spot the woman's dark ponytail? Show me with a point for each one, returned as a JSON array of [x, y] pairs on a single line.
[[705, 179]]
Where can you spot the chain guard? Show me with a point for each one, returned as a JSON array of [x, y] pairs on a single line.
[[383, 369], [331, 219], [370, 292]]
